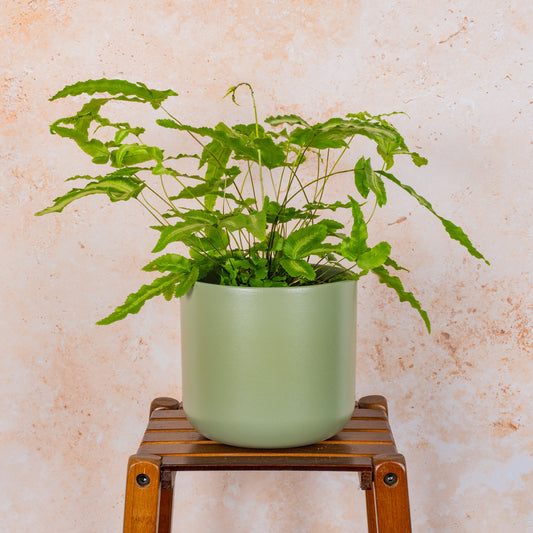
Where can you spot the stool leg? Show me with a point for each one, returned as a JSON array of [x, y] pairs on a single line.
[[391, 494], [142, 494], [371, 510], [367, 484], [165, 501]]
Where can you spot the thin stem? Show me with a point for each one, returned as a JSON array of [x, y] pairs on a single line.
[[173, 207], [324, 177], [278, 192], [207, 255], [331, 173], [294, 175], [318, 159], [272, 180], [204, 146], [256, 120], [375, 202], [154, 212], [249, 173]]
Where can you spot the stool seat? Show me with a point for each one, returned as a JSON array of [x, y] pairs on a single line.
[[170, 444]]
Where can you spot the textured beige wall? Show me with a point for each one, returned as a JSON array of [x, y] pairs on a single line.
[[74, 395]]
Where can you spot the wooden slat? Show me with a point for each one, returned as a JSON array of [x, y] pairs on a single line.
[[171, 413], [368, 414], [214, 448], [365, 437], [358, 414], [184, 425], [170, 436], [357, 464], [169, 424], [367, 422], [173, 436]]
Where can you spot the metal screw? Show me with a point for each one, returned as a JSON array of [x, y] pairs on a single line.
[[143, 480], [390, 479]]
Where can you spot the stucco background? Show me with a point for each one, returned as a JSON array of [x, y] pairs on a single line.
[[74, 396]]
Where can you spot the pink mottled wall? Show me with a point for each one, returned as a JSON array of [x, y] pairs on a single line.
[[74, 395]]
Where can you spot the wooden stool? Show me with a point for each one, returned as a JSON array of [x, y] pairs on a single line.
[[170, 444]]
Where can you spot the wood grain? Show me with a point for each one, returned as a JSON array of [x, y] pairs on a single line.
[[141, 502], [365, 445], [170, 436]]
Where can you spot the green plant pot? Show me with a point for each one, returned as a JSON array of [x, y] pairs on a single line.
[[269, 367]]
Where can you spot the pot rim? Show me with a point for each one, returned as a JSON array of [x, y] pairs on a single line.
[[322, 271], [299, 288]]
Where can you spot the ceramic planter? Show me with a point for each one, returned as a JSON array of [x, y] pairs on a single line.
[[269, 367]]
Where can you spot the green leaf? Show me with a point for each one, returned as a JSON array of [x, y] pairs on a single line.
[[298, 268], [290, 120], [119, 173], [233, 221], [198, 215], [136, 300], [272, 154], [177, 232], [325, 249], [330, 207], [334, 132], [457, 233], [123, 88], [360, 177], [213, 244], [83, 119], [320, 136], [275, 212], [395, 283], [256, 224], [121, 134], [161, 170], [217, 156], [332, 226], [302, 242], [367, 180], [375, 257], [115, 188], [204, 189], [355, 245], [169, 123], [93, 147], [84, 177], [386, 149], [273, 243], [312, 138], [183, 156], [375, 127], [133, 154], [169, 263], [388, 139], [186, 283], [240, 139], [217, 238], [454, 231], [392, 263], [418, 160]]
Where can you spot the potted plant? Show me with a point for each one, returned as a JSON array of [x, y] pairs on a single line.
[[266, 271]]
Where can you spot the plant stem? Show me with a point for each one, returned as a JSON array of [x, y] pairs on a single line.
[[152, 210], [259, 157], [204, 147]]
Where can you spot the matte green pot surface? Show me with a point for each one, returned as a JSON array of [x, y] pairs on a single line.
[[269, 367]]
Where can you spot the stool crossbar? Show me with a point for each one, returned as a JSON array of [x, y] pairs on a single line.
[[171, 444]]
